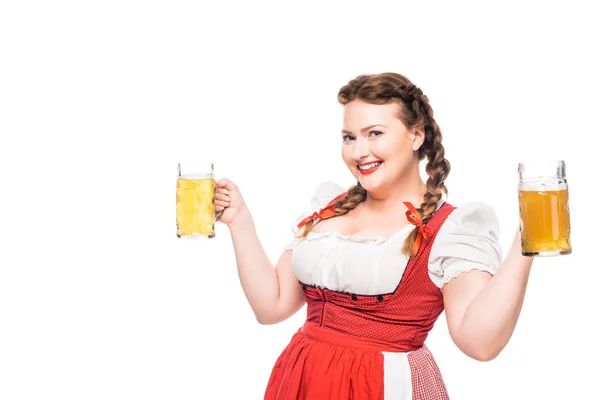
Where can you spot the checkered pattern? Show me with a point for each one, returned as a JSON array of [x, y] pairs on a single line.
[[426, 378]]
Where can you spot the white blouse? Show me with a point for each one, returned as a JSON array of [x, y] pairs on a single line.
[[372, 265]]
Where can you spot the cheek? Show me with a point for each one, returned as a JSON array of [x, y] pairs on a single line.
[[346, 155], [394, 149], [384, 149], [397, 156]]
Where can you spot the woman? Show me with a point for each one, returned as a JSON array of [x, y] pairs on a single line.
[[377, 263]]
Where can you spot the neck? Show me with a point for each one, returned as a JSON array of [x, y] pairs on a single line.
[[395, 194]]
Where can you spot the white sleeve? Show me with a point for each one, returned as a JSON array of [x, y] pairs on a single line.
[[467, 240], [323, 194]]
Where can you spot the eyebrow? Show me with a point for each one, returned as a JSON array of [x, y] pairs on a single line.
[[363, 129]]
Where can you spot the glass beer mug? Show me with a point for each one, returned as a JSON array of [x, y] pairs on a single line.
[[195, 200], [544, 209]]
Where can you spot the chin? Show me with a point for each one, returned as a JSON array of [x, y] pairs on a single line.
[[370, 184]]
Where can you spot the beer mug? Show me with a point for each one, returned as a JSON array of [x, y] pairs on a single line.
[[195, 200], [544, 209]]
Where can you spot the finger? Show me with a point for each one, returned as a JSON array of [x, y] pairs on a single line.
[[223, 197], [221, 183], [219, 208], [226, 183], [221, 203], [222, 191]]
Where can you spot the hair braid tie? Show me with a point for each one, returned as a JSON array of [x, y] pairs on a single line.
[[414, 217], [324, 213], [415, 112]]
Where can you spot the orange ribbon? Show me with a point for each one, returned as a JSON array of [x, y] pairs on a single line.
[[414, 217], [324, 213]]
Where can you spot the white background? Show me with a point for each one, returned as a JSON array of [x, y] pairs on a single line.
[[100, 100]]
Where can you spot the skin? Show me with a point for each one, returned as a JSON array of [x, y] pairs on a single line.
[[396, 179], [481, 310]]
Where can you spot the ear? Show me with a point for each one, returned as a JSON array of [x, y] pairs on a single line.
[[417, 137]]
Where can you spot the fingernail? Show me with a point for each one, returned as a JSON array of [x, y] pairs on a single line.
[[225, 191]]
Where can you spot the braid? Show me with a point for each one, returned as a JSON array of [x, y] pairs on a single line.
[[437, 166], [416, 113], [355, 195]]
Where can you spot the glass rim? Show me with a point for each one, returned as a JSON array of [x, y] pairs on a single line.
[[197, 163], [196, 169], [540, 162], [542, 169]]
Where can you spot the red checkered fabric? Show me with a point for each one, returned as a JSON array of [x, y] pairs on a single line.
[[427, 382]]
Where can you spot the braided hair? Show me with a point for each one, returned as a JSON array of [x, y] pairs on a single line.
[[415, 112]]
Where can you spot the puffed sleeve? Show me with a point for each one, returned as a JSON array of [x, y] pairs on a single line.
[[323, 194], [467, 240]]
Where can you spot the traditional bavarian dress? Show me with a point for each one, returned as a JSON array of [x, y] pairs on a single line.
[[370, 309]]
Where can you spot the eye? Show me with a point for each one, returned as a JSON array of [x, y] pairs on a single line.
[[378, 133], [346, 137]]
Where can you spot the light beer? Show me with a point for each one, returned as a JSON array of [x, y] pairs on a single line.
[[545, 222], [544, 209], [195, 203]]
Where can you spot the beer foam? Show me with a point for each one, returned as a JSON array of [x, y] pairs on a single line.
[[543, 186], [196, 176]]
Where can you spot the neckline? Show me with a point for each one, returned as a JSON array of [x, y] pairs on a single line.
[[376, 238], [360, 237]]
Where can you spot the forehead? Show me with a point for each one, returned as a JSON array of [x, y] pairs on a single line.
[[358, 112]]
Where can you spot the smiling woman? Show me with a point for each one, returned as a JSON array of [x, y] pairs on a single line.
[[378, 262], [388, 128]]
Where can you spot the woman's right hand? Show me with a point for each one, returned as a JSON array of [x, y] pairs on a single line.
[[228, 201]]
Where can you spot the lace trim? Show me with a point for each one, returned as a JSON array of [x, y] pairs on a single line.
[[376, 240], [358, 239], [450, 274]]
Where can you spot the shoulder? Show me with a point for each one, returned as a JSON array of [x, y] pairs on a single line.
[[473, 216], [468, 239], [323, 193], [474, 221]]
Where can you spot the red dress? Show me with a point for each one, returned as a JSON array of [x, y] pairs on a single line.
[[340, 351]]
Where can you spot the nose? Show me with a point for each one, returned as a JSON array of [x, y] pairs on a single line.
[[360, 150]]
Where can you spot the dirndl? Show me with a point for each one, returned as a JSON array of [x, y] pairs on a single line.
[[322, 364]]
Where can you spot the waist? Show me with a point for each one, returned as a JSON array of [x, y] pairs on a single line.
[[326, 335]]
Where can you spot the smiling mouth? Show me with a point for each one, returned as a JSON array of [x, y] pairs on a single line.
[[369, 168]]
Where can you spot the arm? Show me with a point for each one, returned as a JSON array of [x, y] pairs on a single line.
[[273, 293], [482, 310]]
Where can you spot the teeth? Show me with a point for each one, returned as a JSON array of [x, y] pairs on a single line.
[[369, 166]]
